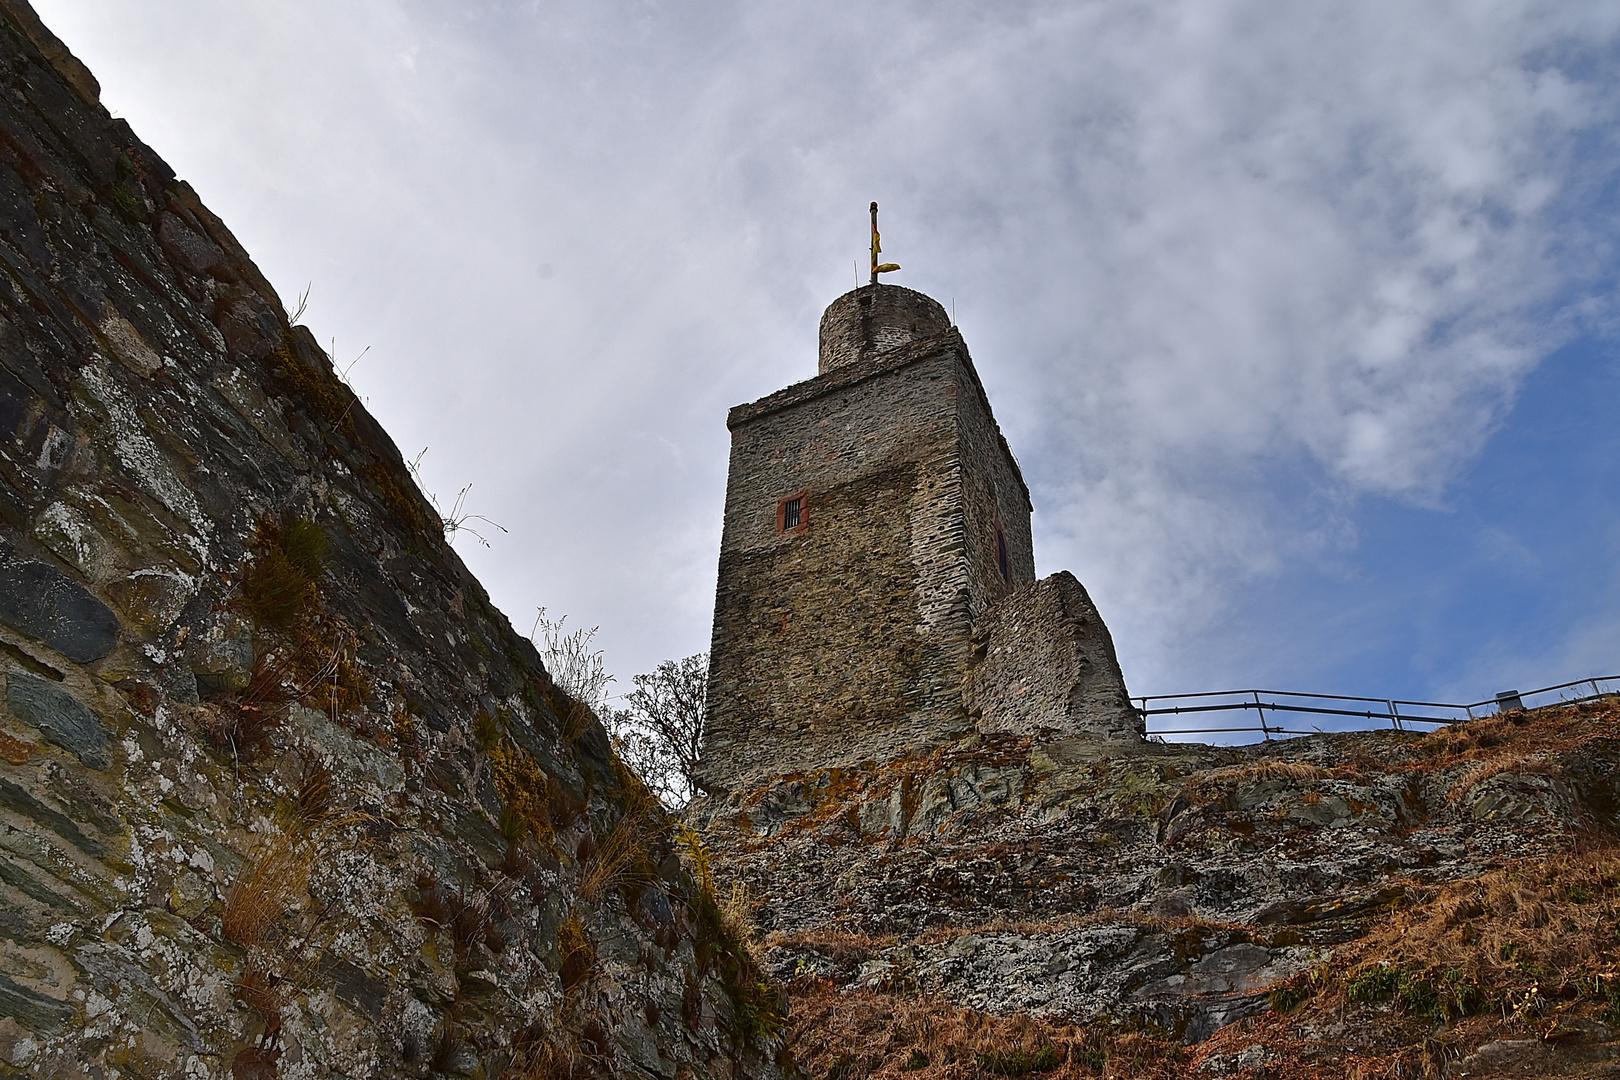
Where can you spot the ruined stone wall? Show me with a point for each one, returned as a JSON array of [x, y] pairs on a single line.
[[1044, 661], [280, 789]]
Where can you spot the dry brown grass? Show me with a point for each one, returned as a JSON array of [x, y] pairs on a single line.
[[1552, 923], [1507, 761], [261, 915], [604, 866], [845, 1035], [1527, 951], [1234, 775], [621, 862], [275, 883], [536, 1056], [316, 804], [1550, 732], [261, 987], [1506, 943], [1476, 735], [841, 945], [269, 911]]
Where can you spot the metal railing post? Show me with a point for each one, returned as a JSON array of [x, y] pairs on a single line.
[[1259, 709], [1394, 716]]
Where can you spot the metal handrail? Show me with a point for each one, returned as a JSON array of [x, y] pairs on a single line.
[[1390, 710]]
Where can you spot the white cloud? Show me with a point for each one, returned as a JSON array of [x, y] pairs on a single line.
[[1195, 247]]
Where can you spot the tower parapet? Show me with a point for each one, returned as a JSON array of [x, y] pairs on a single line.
[[877, 318]]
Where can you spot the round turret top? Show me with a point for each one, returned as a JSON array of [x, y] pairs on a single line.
[[875, 319]]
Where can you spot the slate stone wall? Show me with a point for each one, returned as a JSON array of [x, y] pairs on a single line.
[[994, 499], [1044, 661]]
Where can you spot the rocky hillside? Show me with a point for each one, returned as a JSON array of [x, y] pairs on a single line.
[[281, 793], [1371, 901]]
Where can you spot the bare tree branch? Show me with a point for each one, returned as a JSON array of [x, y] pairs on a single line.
[[659, 732]]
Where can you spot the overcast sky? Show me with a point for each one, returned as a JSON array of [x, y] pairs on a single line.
[[1300, 317]]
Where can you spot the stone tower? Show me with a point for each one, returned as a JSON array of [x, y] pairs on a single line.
[[875, 519]]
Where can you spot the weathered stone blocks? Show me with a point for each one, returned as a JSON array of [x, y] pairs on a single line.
[[60, 717], [847, 637], [157, 415], [1045, 661], [45, 604]]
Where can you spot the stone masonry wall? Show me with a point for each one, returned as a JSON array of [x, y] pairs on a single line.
[[281, 791], [850, 638], [994, 496], [799, 615], [1044, 661]]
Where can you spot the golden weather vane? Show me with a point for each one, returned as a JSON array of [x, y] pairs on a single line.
[[877, 246]]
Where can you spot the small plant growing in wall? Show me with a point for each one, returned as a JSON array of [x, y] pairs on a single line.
[[721, 944], [575, 950], [306, 653], [457, 519], [270, 910]]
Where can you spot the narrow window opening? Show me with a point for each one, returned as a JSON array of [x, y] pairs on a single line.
[[792, 513], [1001, 555]]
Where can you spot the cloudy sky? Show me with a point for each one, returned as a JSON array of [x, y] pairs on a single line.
[[1300, 317]]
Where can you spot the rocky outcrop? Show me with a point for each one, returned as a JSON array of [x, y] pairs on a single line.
[[281, 792], [1165, 888]]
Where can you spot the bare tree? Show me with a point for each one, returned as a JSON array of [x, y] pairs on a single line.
[[659, 732]]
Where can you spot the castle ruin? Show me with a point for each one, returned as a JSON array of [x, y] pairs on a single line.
[[877, 587]]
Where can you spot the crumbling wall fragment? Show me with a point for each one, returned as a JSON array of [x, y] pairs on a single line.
[[1044, 660]]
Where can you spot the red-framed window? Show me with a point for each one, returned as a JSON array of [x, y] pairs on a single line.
[[793, 513]]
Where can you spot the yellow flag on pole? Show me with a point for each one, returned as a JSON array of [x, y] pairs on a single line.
[[877, 246]]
